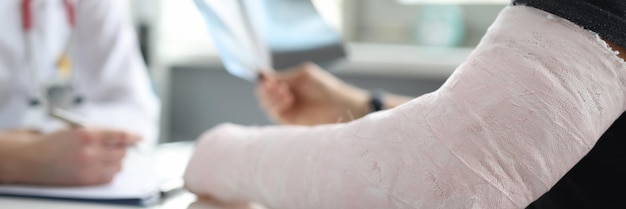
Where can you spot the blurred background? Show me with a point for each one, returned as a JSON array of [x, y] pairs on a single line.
[[407, 47]]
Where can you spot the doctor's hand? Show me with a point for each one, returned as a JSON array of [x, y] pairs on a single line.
[[86, 156], [308, 95]]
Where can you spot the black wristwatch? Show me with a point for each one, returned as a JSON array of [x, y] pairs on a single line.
[[376, 101]]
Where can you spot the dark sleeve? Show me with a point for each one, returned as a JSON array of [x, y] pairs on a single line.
[[598, 180], [605, 17]]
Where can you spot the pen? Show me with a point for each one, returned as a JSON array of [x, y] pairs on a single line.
[[74, 121], [71, 119]]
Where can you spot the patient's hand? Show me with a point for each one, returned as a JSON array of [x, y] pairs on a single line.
[[308, 95]]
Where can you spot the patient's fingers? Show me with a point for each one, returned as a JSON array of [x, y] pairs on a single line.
[[274, 95]]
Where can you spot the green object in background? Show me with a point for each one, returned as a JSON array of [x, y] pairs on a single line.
[[440, 26]]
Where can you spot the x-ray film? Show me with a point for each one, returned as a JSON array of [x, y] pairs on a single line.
[[237, 45], [254, 35]]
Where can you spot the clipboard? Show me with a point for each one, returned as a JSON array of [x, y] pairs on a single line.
[[145, 180]]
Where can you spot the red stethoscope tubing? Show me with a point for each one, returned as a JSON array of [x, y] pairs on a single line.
[[27, 14], [28, 24]]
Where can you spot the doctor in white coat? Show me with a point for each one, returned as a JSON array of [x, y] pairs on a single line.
[[90, 47]]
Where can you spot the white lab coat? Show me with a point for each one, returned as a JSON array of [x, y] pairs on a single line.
[[108, 70]]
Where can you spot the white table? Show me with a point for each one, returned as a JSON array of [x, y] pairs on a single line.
[[173, 157]]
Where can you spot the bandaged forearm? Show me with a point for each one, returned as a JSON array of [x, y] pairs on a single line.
[[527, 105]]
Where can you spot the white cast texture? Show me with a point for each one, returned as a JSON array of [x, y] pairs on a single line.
[[530, 102]]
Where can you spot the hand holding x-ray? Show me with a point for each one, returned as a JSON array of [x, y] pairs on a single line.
[[256, 35]]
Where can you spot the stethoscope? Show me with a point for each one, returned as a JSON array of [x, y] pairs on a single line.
[[49, 95]]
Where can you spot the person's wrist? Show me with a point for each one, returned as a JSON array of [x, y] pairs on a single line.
[[17, 169], [8, 172], [30, 162], [16, 161], [359, 102], [376, 101]]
